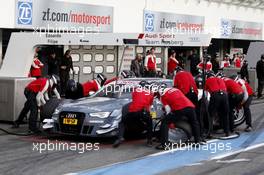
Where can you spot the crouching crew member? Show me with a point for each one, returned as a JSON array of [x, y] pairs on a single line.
[[76, 90], [248, 95], [139, 110], [36, 94], [185, 82], [176, 106], [235, 98], [218, 102]]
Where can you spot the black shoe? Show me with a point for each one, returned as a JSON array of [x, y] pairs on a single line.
[[149, 143], [117, 143], [248, 129], [160, 147], [34, 131], [15, 125]]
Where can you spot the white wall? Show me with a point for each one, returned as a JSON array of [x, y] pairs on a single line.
[[7, 14], [128, 14]]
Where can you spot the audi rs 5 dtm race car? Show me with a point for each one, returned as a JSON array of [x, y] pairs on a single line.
[[100, 114]]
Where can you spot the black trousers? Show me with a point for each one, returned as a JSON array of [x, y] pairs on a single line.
[[260, 87], [234, 101], [219, 105], [30, 105], [247, 112], [133, 118], [151, 73], [64, 78], [193, 97], [175, 116]]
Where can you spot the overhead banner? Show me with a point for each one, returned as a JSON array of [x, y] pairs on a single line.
[[174, 23], [163, 39], [234, 29], [63, 16]]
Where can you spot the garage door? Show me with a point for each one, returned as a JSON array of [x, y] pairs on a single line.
[[92, 60]]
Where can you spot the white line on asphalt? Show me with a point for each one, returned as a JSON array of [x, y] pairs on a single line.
[[237, 152], [233, 161], [194, 164]]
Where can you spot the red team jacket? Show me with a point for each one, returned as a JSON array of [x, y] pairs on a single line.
[[37, 85], [208, 66], [237, 63], [175, 99], [249, 89], [90, 86], [232, 86], [184, 81], [141, 99], [150, 62], [215, 84], [172, 64], [36, 72]]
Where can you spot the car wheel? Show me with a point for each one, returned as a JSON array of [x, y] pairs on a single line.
[[239, 117], [48, 109], [181, 133]]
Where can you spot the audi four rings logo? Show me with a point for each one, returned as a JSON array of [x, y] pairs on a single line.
[[71, 116], [149, 22], [25, 13]]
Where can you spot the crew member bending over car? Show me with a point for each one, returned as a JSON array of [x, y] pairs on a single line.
[[36, 94], [139, 111], [248, 91], [235, 98], [185, 82], [176, 106], [218, 102], [76, 90]]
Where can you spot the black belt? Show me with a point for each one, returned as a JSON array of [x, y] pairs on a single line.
[[219, 92]]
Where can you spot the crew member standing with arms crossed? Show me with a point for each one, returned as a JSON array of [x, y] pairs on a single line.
[[150, 63], [172, 63]]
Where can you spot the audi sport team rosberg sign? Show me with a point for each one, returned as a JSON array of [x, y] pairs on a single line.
[[173, 39], [173, 23], [235, 29], [63, 16]]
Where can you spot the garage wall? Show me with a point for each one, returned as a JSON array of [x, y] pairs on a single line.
[[91, 60]]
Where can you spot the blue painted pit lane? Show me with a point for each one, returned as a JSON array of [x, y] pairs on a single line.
[[169, 160]]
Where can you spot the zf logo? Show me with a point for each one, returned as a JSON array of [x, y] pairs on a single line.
[[226, 28], [149, 22], [25, 13]]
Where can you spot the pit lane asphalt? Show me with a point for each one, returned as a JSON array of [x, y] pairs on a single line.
[[18, 157]]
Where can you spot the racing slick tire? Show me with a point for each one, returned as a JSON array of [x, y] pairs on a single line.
[[239, 117], [182, 132], [48, 109]]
